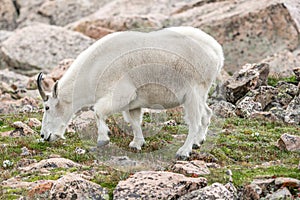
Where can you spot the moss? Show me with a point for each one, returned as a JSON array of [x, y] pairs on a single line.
[[243, 174], [253, 141], [11, 193], [241, 145], [110, 181], [37, 177], [272, 81]]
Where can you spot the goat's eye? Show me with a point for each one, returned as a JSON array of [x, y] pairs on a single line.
[[47, 107]]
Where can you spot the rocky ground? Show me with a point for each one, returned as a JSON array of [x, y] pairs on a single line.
[[252, 148]]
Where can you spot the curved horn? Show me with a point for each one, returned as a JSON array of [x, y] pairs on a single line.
[[40, 87]]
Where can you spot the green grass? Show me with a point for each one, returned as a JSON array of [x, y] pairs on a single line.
[[272, 81], [243, 174], [246, 145], [241, 145]]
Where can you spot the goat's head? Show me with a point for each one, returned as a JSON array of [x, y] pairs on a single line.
[[56, 113]]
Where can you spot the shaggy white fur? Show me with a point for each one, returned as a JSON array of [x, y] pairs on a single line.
[[128, 71]]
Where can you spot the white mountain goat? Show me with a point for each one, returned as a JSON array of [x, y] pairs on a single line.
[[128, 71]]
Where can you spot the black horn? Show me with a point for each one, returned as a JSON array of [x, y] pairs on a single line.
[[40, 87]]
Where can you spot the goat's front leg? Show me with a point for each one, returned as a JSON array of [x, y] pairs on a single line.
[[102, 109], [103, 130]]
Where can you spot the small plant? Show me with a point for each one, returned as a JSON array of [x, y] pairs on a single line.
[[7, 164], [272, 81]]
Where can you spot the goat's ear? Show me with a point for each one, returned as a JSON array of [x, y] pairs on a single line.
[[54, 91]]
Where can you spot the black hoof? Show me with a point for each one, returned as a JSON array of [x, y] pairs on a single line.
[[181, 157], [196, 146], [102, 143]]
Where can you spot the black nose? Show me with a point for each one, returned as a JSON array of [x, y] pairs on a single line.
[[42, 135]]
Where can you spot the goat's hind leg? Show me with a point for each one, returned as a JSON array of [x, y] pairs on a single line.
[[134, 117], [192, 118], [205, 121]]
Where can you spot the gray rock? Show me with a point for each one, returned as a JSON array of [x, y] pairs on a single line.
[[297, 72], [284, 87], [265, 116], [247, 106], [72, 186], [99, 26], [12, 78], [157, 185], [287, 182], [282, 193], [60, 69], [9, 105], [278, 111], [250, 77], [25, 151], [4, 35], [266, 185], [212, 192], [263, 95], [51, 163], [56, 44], [252, 191], [64, 12], [16, 182], [190, 168], [232, 189], [25, 162], [34, 122], [223, 109], [289, 142], [23, 128], [294, 8], [122, 161], [282, 63], [292, 113], [238, 27], [49, 79], [28, 13], [8, 15]]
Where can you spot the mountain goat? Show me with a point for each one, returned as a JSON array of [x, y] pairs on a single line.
[[128, 71]]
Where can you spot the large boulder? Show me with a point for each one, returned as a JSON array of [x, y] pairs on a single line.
[[99, 26], [73, 186], [191, 168], [282, 63], [4, 35], [294, 8], [55, 12], [157, 185], [8, 15], [49, 164], [251, 76], [63, 12], [26, 104], [28, 13], [214, 191], [45, 44], [120, 15], [246, 106], [292, 112], [248, 30], [13, 79], [282, 193], [289, 142]]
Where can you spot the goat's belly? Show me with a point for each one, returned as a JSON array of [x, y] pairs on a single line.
[[157, 96]]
